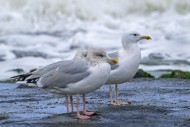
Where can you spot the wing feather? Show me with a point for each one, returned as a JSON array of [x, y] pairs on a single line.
[[73, 72]]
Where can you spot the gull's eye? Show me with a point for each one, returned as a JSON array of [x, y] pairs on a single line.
[[135, 34], [101, 55]]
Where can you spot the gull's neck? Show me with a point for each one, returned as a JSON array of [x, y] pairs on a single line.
[[80, 55], [91, 61], [130, 47]]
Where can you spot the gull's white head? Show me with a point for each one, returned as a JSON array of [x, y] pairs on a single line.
[[81, 54], [98, 55], [133, 37]]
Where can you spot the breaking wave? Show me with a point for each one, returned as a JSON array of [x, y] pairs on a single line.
[[38, 32]]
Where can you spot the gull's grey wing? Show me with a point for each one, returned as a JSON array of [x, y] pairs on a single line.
[[39, 72], [72, 72], [114, 55]]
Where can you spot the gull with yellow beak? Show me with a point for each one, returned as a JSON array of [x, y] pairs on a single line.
[[129, 59], [73, 77]]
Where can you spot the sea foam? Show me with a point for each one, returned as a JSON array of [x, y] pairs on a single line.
[[35, 33]]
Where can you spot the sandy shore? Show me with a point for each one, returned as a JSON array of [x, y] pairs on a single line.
[[153, 103]]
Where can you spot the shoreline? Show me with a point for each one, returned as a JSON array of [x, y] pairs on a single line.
[[153, 102]]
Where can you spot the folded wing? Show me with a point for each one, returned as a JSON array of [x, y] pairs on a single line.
[[66, 73]]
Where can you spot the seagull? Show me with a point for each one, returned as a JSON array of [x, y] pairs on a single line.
[[129, 59], [33, 76], [74, 77], [81, 54]]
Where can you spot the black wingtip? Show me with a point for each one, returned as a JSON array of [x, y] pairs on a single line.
[[20, 77]]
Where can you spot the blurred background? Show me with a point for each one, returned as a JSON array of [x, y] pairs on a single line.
[[35, 33]]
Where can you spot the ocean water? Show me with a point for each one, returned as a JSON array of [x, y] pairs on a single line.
[[34, 33]]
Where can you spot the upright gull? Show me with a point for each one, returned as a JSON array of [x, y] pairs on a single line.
[[74, 77], [129, 59], [33, 77]]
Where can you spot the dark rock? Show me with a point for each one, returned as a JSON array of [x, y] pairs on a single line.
[[142, 74], [2, 116]]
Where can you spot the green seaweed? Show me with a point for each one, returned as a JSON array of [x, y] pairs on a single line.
[[18, 70], [177, 74], [142, 74]]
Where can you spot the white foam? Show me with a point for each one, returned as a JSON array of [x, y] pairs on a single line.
[[57, 29]]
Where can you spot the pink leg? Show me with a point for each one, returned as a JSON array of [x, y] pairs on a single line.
[[67, 103], [111, 98], [116, 94], [72, 107], [84, 107], [79, 116]]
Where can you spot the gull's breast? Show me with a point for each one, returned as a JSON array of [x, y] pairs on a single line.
[[99, 75], [128, 66]]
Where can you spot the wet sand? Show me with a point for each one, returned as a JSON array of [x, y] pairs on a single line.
[[153, 103]]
